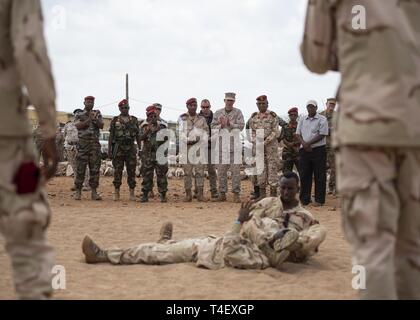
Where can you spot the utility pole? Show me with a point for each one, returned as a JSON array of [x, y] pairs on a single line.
[[127, 96]]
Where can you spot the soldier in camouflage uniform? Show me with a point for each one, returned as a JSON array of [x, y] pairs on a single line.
[[377, 133], [267, 121], [290, 154], [88, 124], [214, 253], [229, 119], [191, 127], [124, 132], [150, 162], [329, 113], [24, 210]]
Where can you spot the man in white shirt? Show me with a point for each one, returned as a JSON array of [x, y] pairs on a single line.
[[312, 131]]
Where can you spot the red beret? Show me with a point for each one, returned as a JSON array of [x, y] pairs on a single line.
[[294, 110], [90, 98], [123, 103], [191, 101], [262, 99], [150, 110]]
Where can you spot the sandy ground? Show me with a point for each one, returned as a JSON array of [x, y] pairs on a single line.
[[326, 276]]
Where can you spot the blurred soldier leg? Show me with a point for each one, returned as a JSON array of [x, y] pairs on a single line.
[[211, 168], [23, 223], [380, 190], [199, 181], [131, 164], [272, 173], [289, 162], [262, 182], [118, 164], [86, 186]]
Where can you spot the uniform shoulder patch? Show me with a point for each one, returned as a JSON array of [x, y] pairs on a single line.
[[273, 114], [254, 114]]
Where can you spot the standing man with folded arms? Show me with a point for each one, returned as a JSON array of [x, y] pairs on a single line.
[[24, 209]]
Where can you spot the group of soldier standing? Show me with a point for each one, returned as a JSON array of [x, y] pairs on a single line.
[[131, 139]]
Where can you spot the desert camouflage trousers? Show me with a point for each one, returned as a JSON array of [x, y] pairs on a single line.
[[380, 188], [235, 170], [23, 223], [271, 168], [260, 231]]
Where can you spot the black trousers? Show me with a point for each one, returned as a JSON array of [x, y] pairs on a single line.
[[313, 164]]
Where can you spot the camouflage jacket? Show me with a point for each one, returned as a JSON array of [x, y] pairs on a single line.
[[330, 117], [90, 134], [124, 133], [149, 139], [268, 122], [191, 128], [379, 64], [288, 134], [24, 62]]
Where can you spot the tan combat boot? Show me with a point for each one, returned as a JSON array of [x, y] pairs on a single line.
[[200, 195], [132, 195], [165, 232], [286, 239], [273, 192], [117, 194], [95, 195], [92, 252], [275, 259], [78, 195], [236, 198], [188, 196]]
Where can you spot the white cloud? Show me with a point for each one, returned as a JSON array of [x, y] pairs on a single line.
[[174, 50]]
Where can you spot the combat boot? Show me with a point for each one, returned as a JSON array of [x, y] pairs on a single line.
[[188, 196], [165, 232], [152, 194], [145, 197], [273, 192], [78, 195], [200, 195], [162, 196], [92, 252], [95, 195], [256, 193], [117, 194], [222, 197], [275, 259], [132, 195], [236, 198]]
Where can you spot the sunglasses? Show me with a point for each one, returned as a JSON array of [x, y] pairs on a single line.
[[204, 107]]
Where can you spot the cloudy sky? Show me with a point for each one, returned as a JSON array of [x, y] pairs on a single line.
[[174, 50]]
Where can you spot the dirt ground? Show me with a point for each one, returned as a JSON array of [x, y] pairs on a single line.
[[326, 276]]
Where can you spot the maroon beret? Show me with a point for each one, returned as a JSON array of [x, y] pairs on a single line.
[[294, 110], [191, 101], [150, 110], [123, 103], [89, 98], [262, 98]]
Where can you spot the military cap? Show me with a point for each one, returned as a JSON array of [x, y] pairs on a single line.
[[191, 101], [150, 110], [312, 103], [230, 96], [262, 98], [334, 100], [294, 110], [123, 103], [89, 98]]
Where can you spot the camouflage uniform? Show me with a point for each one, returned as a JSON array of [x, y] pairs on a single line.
[[268, 217], [71, 139], [330, 151], [38, 142], [290, 156], [189, 128], [59, 142], [237, 122], [208, 252], [150, 163], [377, 134], [267, 121], [88, 151], [24, 217], [123, 134]]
